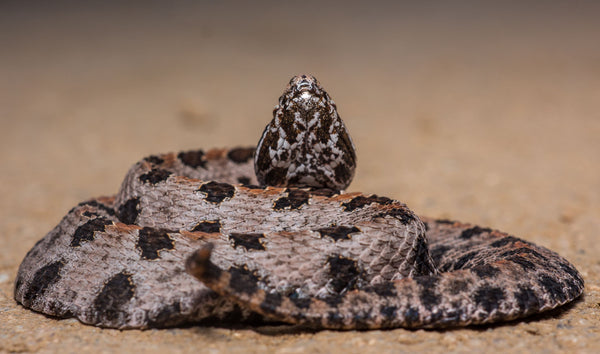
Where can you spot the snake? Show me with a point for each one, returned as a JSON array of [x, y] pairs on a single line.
[[267, 234]]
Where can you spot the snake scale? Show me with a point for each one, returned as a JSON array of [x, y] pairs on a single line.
[[267, 234]]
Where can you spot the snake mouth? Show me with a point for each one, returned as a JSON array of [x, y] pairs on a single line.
[[304, 86]]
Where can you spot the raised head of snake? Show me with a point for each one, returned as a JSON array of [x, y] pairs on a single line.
[[306, 144]]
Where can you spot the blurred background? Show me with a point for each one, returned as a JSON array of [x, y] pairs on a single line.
[[480, 110]]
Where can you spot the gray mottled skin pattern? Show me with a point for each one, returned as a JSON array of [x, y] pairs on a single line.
[[306, 254]]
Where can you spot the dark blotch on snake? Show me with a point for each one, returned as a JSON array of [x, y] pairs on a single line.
[[166, 316], [243, 280], [115, 294], [248, 241], [217, 192], [474, 231], [210, 226], [343, 273], [95, 204], [504, 241], [294, 200], [151, 241], [527, 299], [240, 155], [456, 286], [271, 302], [522, 261], [554, 288], [385, 289], [42, 279], [362, 201], [129, 211], [485, 271], [523, 251], [571, 271], [86, 231], [460, 263], [428, 295], [388, 312], [423, 264], [401, 214], [193, 159], [573, 286], [338, 232], [488, 297], [155, 176], [89, 214]]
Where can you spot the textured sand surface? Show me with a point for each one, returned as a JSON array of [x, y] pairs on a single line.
[[483, 114]]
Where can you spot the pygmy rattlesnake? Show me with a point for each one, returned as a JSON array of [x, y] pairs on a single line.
[[298, 251]]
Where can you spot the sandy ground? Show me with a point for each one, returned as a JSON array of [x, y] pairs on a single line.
[[483, 114]]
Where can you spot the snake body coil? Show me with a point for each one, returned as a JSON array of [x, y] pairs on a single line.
[[270, 235]]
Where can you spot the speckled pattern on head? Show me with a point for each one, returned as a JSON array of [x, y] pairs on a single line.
[[196, 238], [306, 144]]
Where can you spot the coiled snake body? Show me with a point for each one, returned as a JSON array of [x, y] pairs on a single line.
[[281, 244]]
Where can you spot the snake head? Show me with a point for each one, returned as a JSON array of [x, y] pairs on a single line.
[[306, 144]]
